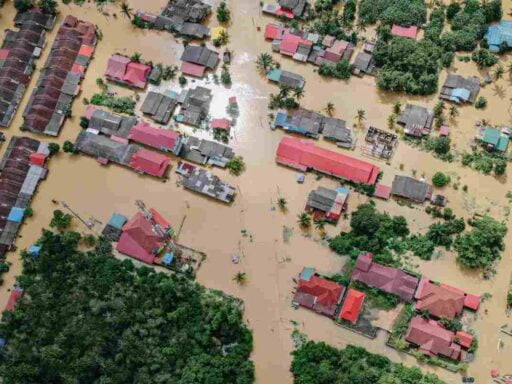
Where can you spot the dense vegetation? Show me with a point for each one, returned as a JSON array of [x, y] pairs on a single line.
[[402, 12], [87, 317], [318, 363]]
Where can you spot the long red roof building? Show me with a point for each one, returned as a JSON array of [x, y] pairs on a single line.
[[304, 155]]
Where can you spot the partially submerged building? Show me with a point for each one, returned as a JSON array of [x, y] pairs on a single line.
[[197, 59], [412, 189], [14, 296], [162, 139], [286, 79], [159, 107], [410, 32], [303, 156], [417, 121], [317, 293], [499, 36], [460, 89], [18, 53], [22, 167], [337, 131], [59, 81], [387, 279], [105, 149], [204, 182], [328, 204], [122, 70], [204, 152], [297, 7], [379, 143], [352, 305], [195, 106], [108, 123], [364, 63], [493, 139], [185, 18]]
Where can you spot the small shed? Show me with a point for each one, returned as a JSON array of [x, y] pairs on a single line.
[[167, 259], [444, 131], [34, 250], [382, 191], [117, 220], [223, 124], [16, 214]]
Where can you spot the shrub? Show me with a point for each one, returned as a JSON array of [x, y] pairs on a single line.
[[481, 103], [440, 179], [53, 148], [223, 13], [484, 58], [236, 165]]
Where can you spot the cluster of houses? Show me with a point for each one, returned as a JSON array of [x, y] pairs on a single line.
[[197, 59], [18, 53], [440, 301], [124, 71], [460, 89], [182, 17], [288, 9], [327, 204], [22, 167]]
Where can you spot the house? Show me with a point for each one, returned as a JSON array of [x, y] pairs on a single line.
[[408, 32], [197, 59], [204, 182], [14, 296], [464, 339], [499, 36], [444, 131], [123, 70], [302, 155], [339, 50], [327, 203], [110, 124], [351, 306], [494, 140], [105, 149], [222, 124], [286, 79], [336, 130], [460, 89], [204, 152], [184, 17], [442, 300], [387, 279], [274, 31], [149, 162], [114, 227], [145, 16], [382, 191], [432, 339], [410, 188], [317, 293], [417, 121], [139, 240], [297, 7], [303, 121], [363, 64], [159, 107], [159, 138], [195, 106]]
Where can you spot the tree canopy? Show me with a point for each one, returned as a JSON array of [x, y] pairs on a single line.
[[91, 318], [319, 363], [402, 12]]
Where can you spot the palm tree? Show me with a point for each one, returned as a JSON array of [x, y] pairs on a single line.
[[329, 108], [284, 91], [304, 220], [136, 57], [281, 203], [275, 101], [439, 121], [298, 93], [397, 107], [240, 278], [454, 112], [264, 62], [223, 37], [438, 109], [126, 10], [391, 122], [498, 72], [361, 116], [320, 224]]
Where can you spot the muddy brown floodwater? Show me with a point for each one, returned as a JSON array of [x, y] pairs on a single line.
[[270, 263]]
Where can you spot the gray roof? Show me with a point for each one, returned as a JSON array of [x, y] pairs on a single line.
[[410, 188], [111, 124], [195, 106], [309, 121], [363, 62], [472, 84], [202, 151], [159, 107], [292, 80], [417, 120], [336, 130], [189, 10], [104, 147], [296, 6], [201, 56], [202, 181], [322, 199]]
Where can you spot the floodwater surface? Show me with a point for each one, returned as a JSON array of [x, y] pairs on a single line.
[[270, 263]]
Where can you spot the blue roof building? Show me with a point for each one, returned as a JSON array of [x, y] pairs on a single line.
[[498, 34], [16, 215], [168, 258], [34, 250], [117, 220]]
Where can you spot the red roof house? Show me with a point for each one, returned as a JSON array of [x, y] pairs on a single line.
[[318, 294], [37, 159], [116, 67], [163, 139], [149, 162], [472, 301], [137, 74], [289, 44], [192, 69], [138, 240], [409, 32], [159, 219], [443, 300], [274, 31], [223, 124], [336, 51], [86, 50], [382, 191], [303, 155], [13, 298], [387, 279], [284, 12], [352, 305], [432, 339], [464, 339]]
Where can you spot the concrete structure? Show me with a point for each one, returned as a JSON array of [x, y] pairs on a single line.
[[412, 189], [417, 121]]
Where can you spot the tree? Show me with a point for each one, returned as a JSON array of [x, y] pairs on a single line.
[[481, 103], [89, 240], [397, 107], [240, 278], [330, 108], [298, 93], [136, 57], [60, 220], [498, 72], [48, 6], [69, 147], [223, 13], [484, 58], [454, 112], [361, 116], [304, 220], [126, 10], [264, 62], [225, 76], [282, 203], [53, 148], [22, 5], [320, 224], [439, 109], [236, 165], [509, 68], [440, 179]]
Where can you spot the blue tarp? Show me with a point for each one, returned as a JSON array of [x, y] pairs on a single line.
[[168, 258], [34, 250], [306, 273], [16, 215], [461, 94], [281, 120], [117, 220], [342, 190], [499, 33], [274, 75]]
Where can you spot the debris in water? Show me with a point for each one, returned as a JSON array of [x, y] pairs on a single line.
[[235, 259], [287, 233]]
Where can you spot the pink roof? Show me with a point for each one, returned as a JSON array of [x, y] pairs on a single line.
[[4, 53], [159, 219], [472, 302], [274, 31], [432, 339], [387, 279], [119, 139], [465, 339], [37, 158], [137, 74], [76, 68], [439, 300], [86, 50], [232, 100], [149, 162], [146, 16], [13, 298], [116, 67], [382, 191], [352, 305], [302, 155], [319, 294], [284, 12], [138, 239], [89, 111], [409, 32], [289, 44], [220, 124], [154, 137], [192, 69], [444, 130]]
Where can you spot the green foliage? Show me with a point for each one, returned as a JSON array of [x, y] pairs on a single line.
[[402, 12], [92, 318], [319, 363], [421, 246], [402, 322], [117, 104], [481, 103], [440, 179], [452, 10], [84, 122], [69, 147], [485, 162], [481, 247], [53, 148], [29, 212], [349, 12], [225, 76], [48, 6], [236, 165], [484, 58], [452, 325], [376, 298], [223, 12], [60, 220], [340, 71], [22, 5], [139, 23]]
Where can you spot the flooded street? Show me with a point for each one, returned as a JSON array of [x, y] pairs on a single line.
[[269, 262]]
